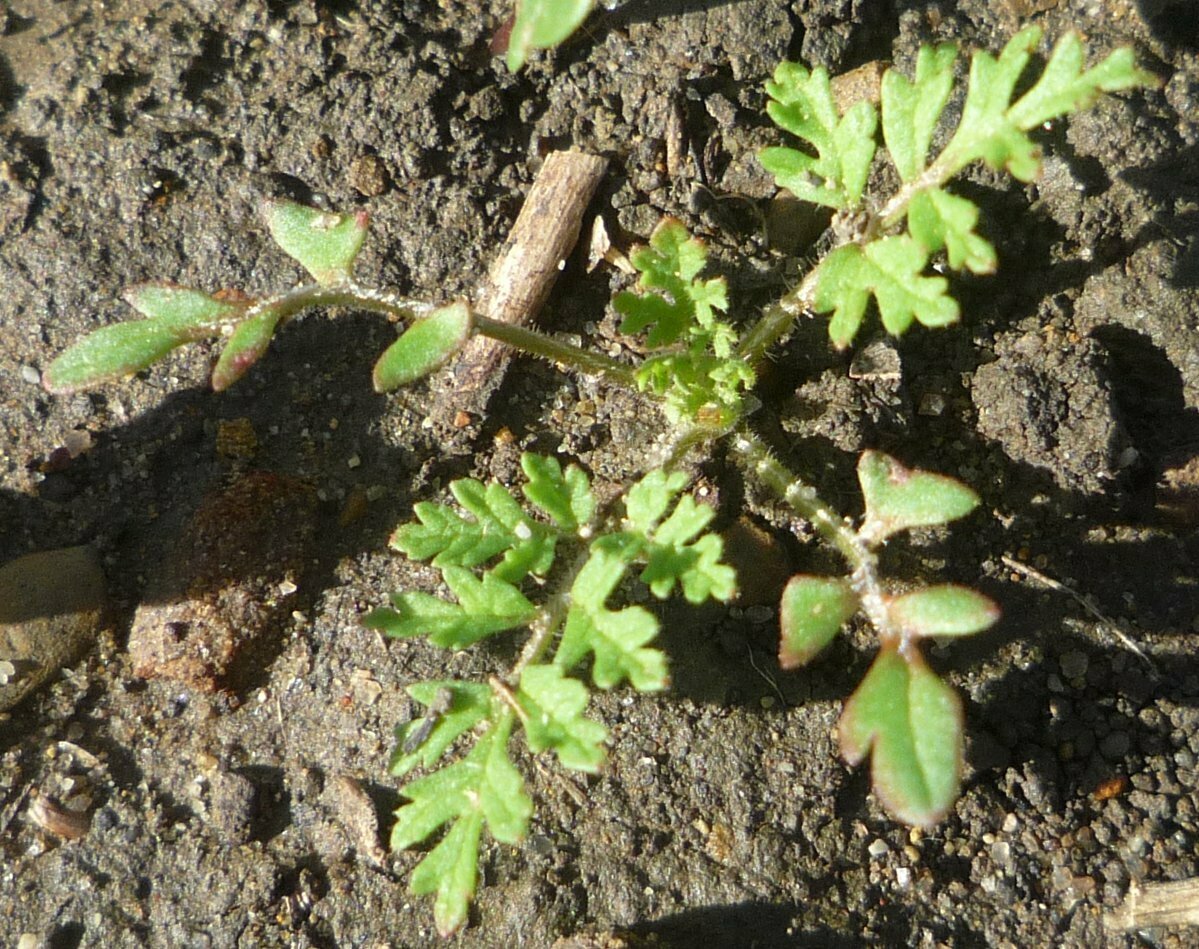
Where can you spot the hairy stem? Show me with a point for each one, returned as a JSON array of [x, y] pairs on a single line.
[[349, 294], [836, 530]]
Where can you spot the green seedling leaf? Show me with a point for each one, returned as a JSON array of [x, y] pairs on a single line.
[[811, 612], [246, 345], [946, 610], [424, 347], [910, 723], [648, 500], [482, 788], [499, 526], [670, 548], [566, 498], [911, 109], [685, 306], [485, 607], [541, 24], [174, 316], [454, 708], [890, 269], [985, 131], [1064, 87], [939, 219], [699, 380], [553, 704], [617, 638], [802, 104], [324, 243], [673, 557], [899, 498], [112, 352], [993, 130]]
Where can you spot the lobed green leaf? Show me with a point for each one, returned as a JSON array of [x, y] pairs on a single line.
[[911, 109], [890, 269], [323, 243], [985, 132], [811, 612], [566, 498], [685, 306], [910, 723], [423, 347], [802, 104], [939, 219], [424, 740], [899, 498], [482, 788], [1064, 87], [616, 638], [499, 526], [553, 704], [647, 501], [485, 607]]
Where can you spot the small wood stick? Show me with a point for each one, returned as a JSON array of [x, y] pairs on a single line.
[[1154, 905], [520, 281]]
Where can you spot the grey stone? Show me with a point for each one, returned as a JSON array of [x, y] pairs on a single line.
[[50, 607]]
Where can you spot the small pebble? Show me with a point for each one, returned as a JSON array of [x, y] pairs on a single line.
[[1074, 664], [877, 848], [31, 375], [1114, 745]]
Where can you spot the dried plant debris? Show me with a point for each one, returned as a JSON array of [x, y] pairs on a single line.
[[228, 582]]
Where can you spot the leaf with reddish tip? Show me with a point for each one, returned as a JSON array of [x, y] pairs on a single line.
[[910, 723], [946, 610], [810, 613], [245, 347], [325, 243], [899, 498], [423, 347]]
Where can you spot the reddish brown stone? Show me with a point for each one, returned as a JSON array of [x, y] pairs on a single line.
[[228, 582]]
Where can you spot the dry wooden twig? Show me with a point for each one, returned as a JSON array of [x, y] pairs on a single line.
[[1108, 624], [1156, 904], [520, 281]]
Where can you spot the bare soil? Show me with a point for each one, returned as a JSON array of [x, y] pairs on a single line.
[[138, 140]]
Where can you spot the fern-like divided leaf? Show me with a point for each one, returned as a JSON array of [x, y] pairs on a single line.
[[485, 606], [553, 705], [697, 376], [615, 638], [890, 270], [454, 708], [663, 531], [497, 525], [993, 128], [877, 262], [483, 788], [802, 104]]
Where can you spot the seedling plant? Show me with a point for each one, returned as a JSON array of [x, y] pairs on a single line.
[[553, 563]]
